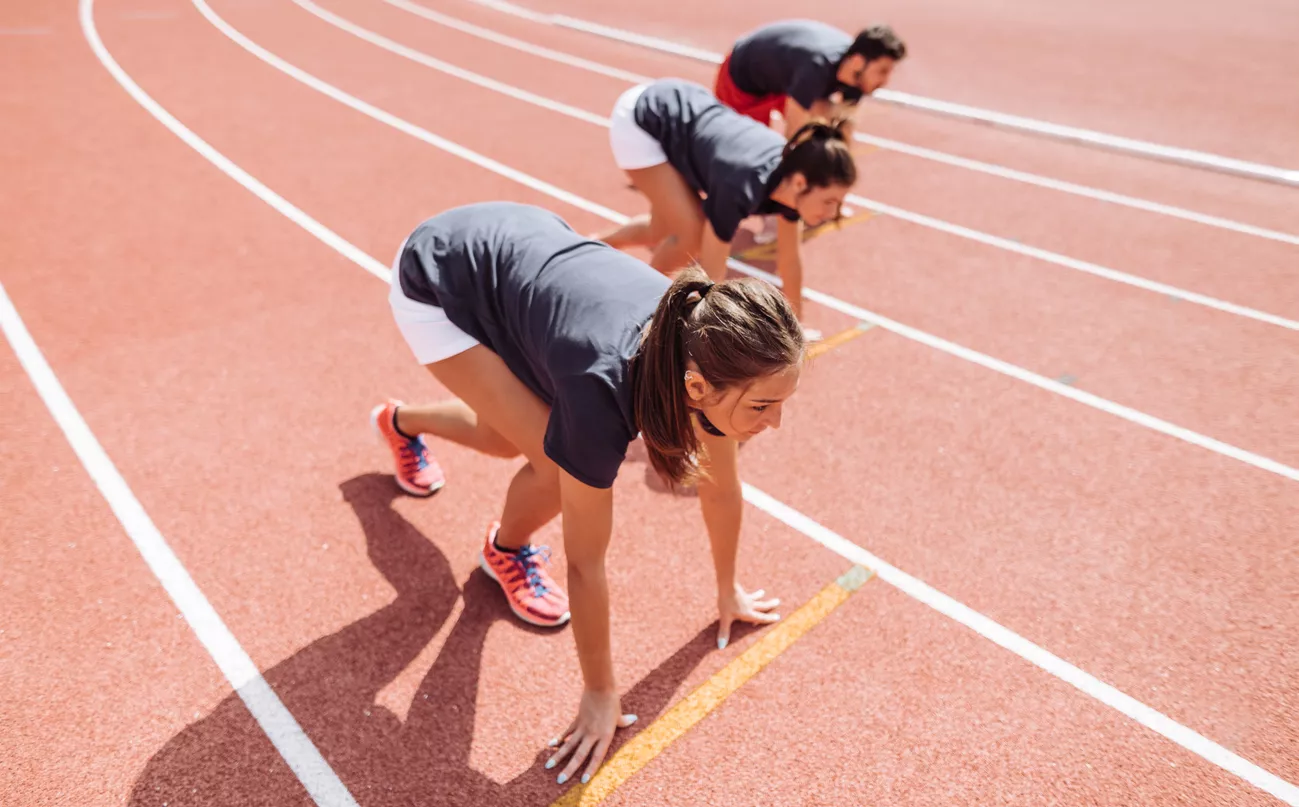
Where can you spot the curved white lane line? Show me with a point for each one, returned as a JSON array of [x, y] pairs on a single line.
[[1199, 159], [987, 239], [279, 725], [914, 334], [874, 140], [1088, 684]]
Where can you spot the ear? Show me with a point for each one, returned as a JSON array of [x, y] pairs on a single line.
[[697, 387]]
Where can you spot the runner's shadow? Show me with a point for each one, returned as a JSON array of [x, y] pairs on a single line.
[[331, 686]]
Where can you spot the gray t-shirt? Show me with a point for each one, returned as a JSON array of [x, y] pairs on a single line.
[[719, 152], [563, 312], [798, 58]]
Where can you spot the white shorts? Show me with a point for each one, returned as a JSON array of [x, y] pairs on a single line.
[[632, 147], [431, 336]]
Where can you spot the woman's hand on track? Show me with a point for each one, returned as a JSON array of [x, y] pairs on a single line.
[[740, 605], [588, 737]]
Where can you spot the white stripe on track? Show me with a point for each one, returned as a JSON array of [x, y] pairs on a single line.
[[1150, 718], [279, 725], [1174, 154], [957, 230], [920, 152], [906, 331], [239, 670]]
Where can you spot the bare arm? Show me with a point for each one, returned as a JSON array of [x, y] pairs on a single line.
[[722, 501], [789, 262], [713, 252], [721, 498], [588, 522]]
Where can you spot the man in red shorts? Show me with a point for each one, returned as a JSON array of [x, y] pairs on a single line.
[[802, 68]]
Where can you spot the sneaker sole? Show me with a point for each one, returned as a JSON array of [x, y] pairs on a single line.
[[423, 493], [524, 615]]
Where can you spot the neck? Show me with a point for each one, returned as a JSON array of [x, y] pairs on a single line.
[[785, 195]]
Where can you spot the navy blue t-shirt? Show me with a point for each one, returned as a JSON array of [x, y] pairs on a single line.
[[563, 312], [798, 58], [719, 152]]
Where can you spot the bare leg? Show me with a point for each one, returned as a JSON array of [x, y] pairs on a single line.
[[635, 233], [453, 420], [676, 219], [671, 255], [531, 503], [493, 399]]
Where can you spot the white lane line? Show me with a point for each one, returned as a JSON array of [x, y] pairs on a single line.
[[1079, 190], [1199, 159], [1047, 256], [1027, 376], [987, 239], [1035, 655], [874, 140], [297, 749], [489, 35], [289, 739], [419, 57], [212, 155], [1085, 682], [1014, 371]]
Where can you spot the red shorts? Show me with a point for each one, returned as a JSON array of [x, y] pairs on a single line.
[[757, 107]]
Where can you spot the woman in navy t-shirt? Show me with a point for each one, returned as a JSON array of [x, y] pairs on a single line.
[[562, 350], [676, 142]]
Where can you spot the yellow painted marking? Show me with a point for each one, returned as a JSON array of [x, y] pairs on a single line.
[[674, 723], [767, 252], [826, 345]]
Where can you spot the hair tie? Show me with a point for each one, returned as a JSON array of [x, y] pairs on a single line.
[[697, 295]]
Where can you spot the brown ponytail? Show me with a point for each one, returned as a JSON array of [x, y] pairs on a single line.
[[735, 332], [820, 151]]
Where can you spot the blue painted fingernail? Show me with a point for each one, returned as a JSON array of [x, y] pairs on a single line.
[[550, 764], [563, 777], [586, 777], [721, 644]]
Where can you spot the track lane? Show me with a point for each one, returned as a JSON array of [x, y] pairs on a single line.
[[1263, 203], [1221, 263], [975, 55], [1046, 331]]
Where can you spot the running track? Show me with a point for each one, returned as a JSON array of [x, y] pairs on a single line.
[[1127, 517]]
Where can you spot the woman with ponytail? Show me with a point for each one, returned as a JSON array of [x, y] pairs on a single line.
[[677, 142], [562, 350]]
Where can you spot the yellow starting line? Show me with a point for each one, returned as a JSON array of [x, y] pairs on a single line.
[[830, 343], [674, 723]]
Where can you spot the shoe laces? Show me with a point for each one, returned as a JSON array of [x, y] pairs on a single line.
[[529, 560], [414, 451]]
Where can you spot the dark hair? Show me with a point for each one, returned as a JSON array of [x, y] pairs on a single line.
[[820, 151], [877, 41], [735, 332]]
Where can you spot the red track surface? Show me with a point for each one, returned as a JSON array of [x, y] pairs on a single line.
[[226, 359]]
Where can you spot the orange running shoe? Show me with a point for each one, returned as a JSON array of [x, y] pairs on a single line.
[[417, 472], [531, 592]]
